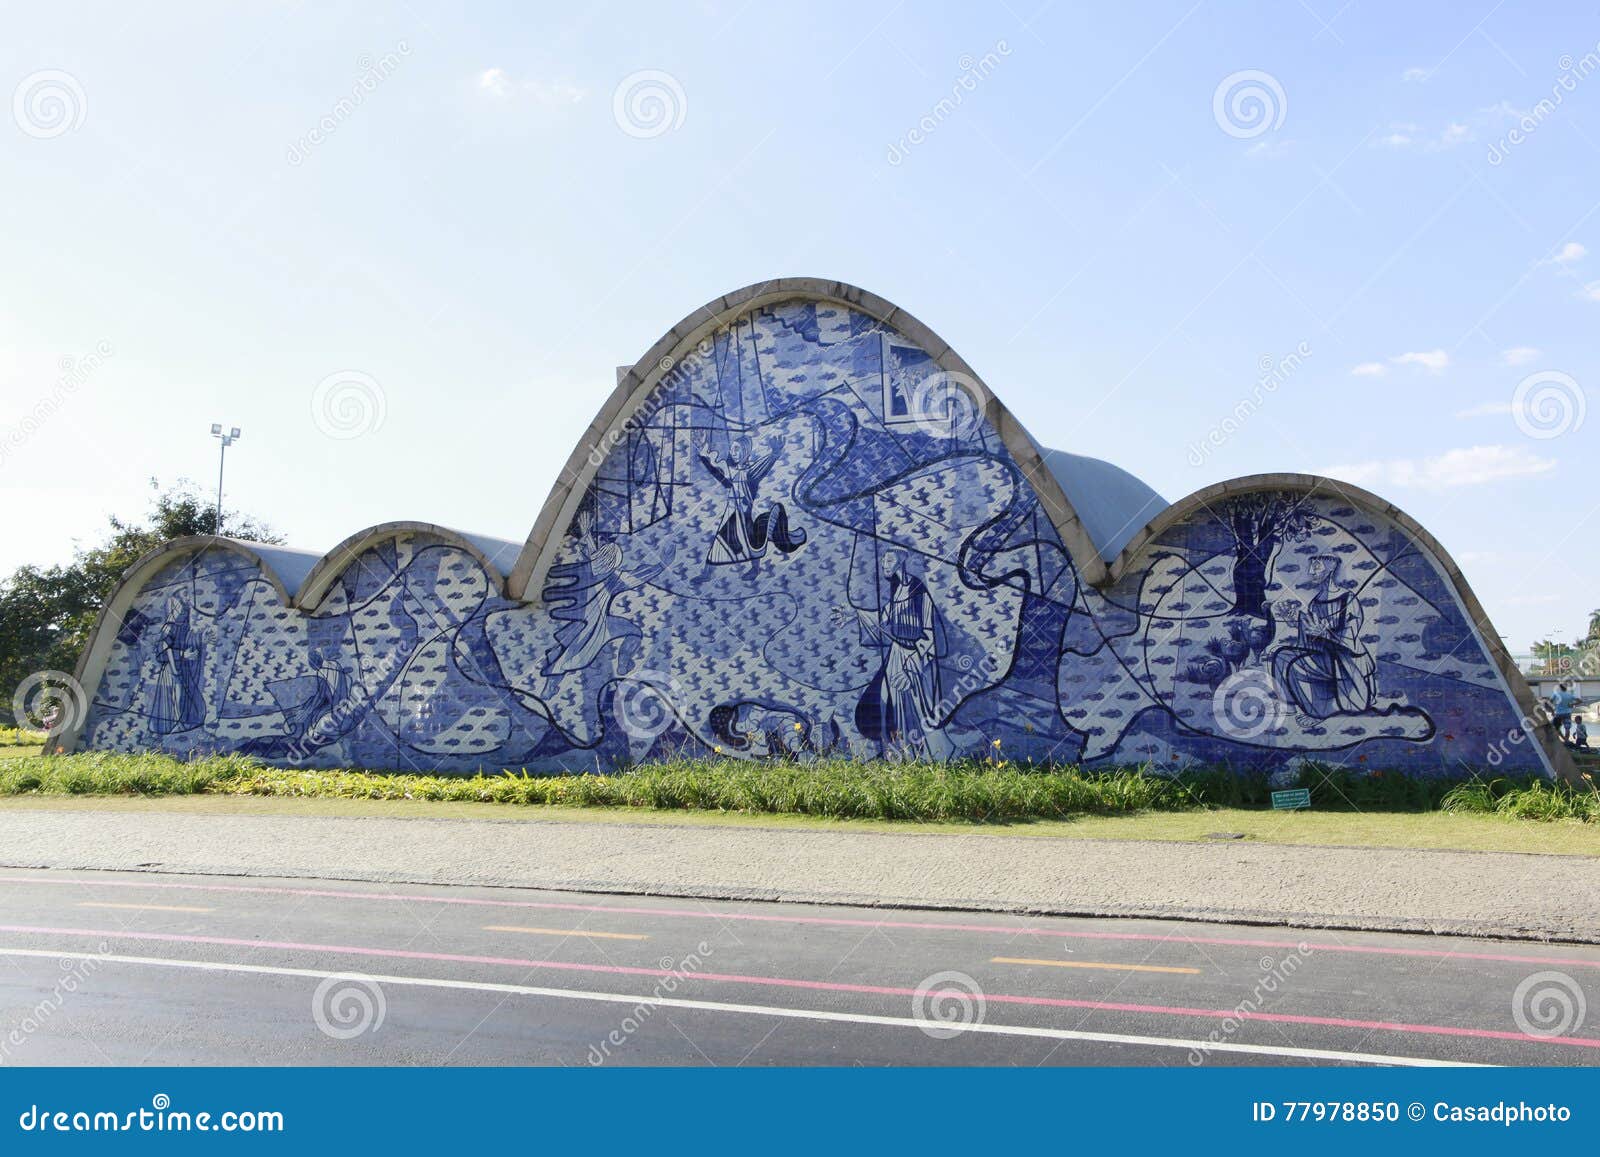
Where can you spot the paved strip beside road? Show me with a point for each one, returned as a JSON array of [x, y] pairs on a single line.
[[1468, 893]]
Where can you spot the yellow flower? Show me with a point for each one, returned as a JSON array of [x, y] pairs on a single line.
[[716, 750], [996, 743], [798, 727]]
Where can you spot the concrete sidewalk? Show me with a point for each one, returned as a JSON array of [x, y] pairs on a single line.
[[1488, 894]]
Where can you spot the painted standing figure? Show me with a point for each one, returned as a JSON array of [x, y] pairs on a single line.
[[177, 702], [742, 535], [903, 707], [579, 595], [326, 691], [1327, 670]]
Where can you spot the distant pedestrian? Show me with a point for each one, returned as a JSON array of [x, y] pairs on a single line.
[[1562, 701], [1580, 734]]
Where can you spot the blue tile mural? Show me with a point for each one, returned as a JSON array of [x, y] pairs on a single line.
[[806, 541]]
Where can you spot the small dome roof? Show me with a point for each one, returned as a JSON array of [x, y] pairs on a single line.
[[1112, 504]]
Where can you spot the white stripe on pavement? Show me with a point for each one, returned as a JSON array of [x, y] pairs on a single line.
[[1201, 1046]]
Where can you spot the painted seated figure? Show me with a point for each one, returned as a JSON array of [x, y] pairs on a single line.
[[1326, 670]]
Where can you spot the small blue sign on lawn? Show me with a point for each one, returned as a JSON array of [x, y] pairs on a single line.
[[1294, 797]]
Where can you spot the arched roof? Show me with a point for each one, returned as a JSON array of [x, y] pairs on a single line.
[[635, 385], [1515, 684], [274, 563], [495, 555]]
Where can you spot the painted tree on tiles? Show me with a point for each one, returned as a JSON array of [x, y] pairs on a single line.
[[1260, 523]]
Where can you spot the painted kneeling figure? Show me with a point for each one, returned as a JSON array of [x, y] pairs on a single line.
[[1326, 670]]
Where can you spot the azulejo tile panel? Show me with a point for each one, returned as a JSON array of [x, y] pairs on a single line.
[[808, 539]]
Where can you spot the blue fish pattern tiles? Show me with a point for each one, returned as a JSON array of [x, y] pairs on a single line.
[[802, 544]]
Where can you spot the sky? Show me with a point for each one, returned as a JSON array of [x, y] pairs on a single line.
[[403, 247]]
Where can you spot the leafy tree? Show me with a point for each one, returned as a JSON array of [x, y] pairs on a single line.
[[1553, 657], [47, 613]]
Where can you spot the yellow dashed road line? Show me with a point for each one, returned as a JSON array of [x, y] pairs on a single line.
[[1095, 964], [565, 932], [143, 907]]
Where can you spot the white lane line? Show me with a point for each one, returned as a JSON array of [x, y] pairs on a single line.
[[1201, 1046]]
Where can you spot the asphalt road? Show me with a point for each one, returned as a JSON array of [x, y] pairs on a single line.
[[141, 969]]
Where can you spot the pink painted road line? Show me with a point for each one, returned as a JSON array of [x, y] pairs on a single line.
[[815, 985], [827, 921]]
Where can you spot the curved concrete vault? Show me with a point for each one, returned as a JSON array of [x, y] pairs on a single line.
[[801, 524]]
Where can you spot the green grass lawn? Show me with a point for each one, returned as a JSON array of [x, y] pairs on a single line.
[[1348, 808]]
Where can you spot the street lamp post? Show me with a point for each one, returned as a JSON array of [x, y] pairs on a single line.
[[227, 440]]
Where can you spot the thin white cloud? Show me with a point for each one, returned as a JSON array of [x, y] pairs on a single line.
[[1370, 370], [1415, 75], [1504, 112], [1434, 361], [1590, 292], [497, 83], [1469, 466], [1570, 252], [1403, 134], [1519, 355], [1487, 410]]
